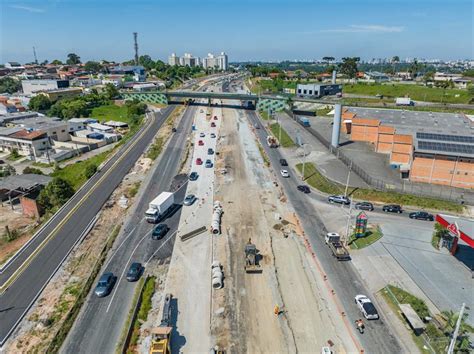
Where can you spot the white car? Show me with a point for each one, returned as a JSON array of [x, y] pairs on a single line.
[[284, 173], [202, 135], [366, 307]]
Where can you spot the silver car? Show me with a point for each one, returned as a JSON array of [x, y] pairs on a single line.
[[189, 200]]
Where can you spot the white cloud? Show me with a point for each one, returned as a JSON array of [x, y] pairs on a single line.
[[366, 29], [27, 8]]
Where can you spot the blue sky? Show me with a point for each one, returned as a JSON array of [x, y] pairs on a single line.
[[245, 29]]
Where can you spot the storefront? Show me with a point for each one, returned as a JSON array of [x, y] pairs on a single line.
[[458, 228]]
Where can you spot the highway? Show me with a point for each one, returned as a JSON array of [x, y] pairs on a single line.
[[100, 323], [28, 274], [343, 276]]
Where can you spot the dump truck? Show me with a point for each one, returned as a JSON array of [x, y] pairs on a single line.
[[333, 240], [161, 335], [251, 258], [159, 206], [272, 141]]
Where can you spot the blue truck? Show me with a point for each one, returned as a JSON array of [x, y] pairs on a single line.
[[303, 121]]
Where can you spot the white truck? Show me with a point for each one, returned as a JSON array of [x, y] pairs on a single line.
[[404, 101], [159, 206]]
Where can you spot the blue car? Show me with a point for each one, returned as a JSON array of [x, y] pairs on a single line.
[[193, 176], [208, 164]]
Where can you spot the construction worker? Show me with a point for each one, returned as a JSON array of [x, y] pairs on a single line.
[[276, 310], [360, 325]]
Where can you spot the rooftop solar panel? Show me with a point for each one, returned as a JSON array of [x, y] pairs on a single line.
[[446, 147], [445, 137]]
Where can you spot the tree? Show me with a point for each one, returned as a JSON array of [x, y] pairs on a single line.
[[7, 170], [93, 67], [57, 62], [348, 67], [9, 85], [146, 62], [55, 194], [73, 59], [470, 90], [328, 59], [39, 103], [90, 170], [415, 68], [395, 60], [69, 108], [33, 170], [429, 76], [111, 91]]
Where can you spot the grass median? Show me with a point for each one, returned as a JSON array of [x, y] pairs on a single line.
[[285, 140], [316, 180]]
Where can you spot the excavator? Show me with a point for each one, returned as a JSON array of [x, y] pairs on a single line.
[[161, 335], [251, 258]]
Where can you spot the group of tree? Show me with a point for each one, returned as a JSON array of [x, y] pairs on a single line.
[[9, 85], [348, 67], [32, 170], [40, 103], [55, 194]]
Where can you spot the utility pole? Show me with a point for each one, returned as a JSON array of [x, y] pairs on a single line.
[[349, 217], [347, 182], [36, 58], [452, 344]]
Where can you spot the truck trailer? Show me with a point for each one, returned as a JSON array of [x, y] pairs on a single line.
[[333, 240], [159, 206]]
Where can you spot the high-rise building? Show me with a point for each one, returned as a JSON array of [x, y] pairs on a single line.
[[223, 61], [173, 59], [189, 60], [220, 62]]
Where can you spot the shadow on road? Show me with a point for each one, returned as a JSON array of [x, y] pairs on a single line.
[[177, 340], [465, 254]]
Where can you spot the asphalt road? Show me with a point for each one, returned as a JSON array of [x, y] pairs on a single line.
[[67, 227], [342, 275], [101, 321]]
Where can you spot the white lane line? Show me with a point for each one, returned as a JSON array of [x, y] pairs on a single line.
[[163, 243], [121, 244], [124, 269]]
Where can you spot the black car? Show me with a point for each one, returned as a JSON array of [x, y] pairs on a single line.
[[421, 215], [304, 189], [283, 162], [339, 199], [392, 208], [210, 151], [134, 272], [364, 206], [159, 231], [173, 130], [193, 176]]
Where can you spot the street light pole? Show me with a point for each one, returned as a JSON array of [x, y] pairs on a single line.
[[456, 330], [304, 161], [349, 217]]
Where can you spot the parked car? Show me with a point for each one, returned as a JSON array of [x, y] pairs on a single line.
[[213, 135], [304, 189], [215, 117], [213, 125], [366, 307], [210, 151], [193, 176], [198, 161], [209, 164], [284, 173], [202, 135], [105, 285], [134, 272], [200, 143], [392, 208], [364, 206], [189, 200], [339, 199], [173, 130], [159, 231], [421, 215], [283, 162]]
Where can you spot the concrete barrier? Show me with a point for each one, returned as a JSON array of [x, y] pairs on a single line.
[[193, 233]]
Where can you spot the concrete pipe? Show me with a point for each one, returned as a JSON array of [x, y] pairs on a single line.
[[217, 283], [218, 275], [216, 264]]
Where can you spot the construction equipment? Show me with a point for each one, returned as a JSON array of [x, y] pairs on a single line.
[[161, 336], [272, 141], [251, 258]]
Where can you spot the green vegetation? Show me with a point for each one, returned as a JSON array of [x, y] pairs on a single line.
[[348, 67], [74, 173], [371, 236], [14, 155], [315, 179], [9, 85], [130, 317], [438, 234], [110, 112], [285, 140], [7, 170], [32, 170], [323, 112], [90, 170], [264, 115], [264, 155], [40, 103], [55, 194], [155, 149], [145, 307], [415, 92]]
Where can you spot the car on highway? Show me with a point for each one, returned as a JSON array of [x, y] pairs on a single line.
[[105, 284], [283, 162], [284, 173], [213, 125], [303, 188], [213, 135], [173, 130], [159, 231], [256, 126], [189, 199], [210, 151], [208, 164], [392, 208], [198, 161], [193, 176], [339, 199], [364, 206], [366, 307], [134, 272], [202, 135], [200, 143], [421, 215]]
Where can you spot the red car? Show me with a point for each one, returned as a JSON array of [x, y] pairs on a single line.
[[213, 124], [215, 117], [200, 143], [198, 161]]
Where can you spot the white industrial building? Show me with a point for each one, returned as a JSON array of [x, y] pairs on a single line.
[[32, 86]]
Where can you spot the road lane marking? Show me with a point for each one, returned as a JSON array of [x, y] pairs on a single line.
[[53, 233]]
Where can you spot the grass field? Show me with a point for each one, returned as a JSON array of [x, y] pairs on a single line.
[[110, 112], [372, 235], [316, 180], [415, 92], [285, 138]]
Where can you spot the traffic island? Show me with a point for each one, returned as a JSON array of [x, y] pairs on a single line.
[[372, 235]]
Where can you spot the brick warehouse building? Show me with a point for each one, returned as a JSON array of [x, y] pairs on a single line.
[[424, 147]]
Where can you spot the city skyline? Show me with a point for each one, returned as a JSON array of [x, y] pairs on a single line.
[[104, 30]]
